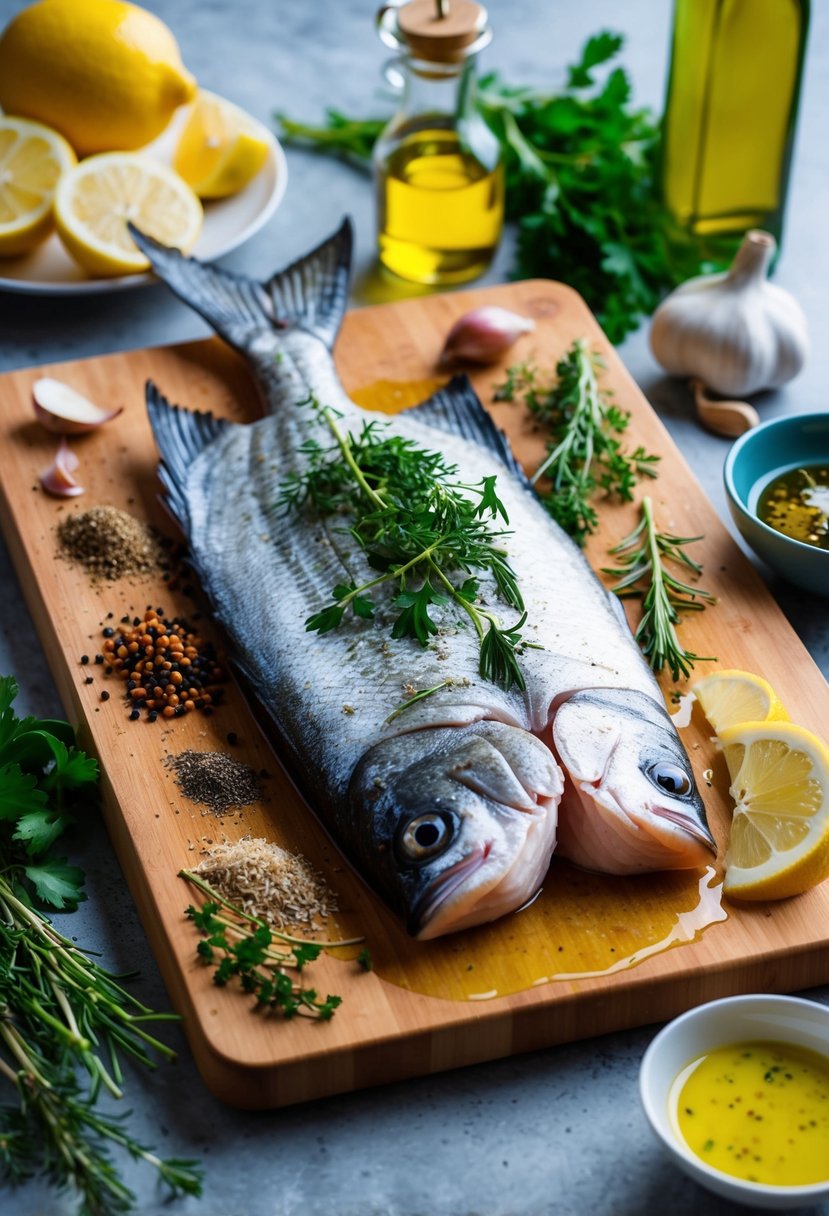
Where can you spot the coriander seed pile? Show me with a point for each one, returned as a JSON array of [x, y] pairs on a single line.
[[167, 668], [109, 543]]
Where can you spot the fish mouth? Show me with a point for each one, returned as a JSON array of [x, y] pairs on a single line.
[[444, 886], [689, 826]]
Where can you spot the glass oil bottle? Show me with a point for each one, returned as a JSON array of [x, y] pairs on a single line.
[[439, 180], [730, 117]]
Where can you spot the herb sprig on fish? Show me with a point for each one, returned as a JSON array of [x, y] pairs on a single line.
[[584, 453], [642, 571], [420, 528]]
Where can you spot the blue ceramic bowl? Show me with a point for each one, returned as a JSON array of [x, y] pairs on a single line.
[[755, 459]]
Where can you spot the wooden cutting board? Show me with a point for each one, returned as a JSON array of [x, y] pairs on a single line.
[[625, 952]]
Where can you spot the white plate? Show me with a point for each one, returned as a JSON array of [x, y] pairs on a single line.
[[228, 222]]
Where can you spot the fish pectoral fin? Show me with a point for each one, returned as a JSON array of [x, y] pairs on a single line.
[[180, 436], [456, 409]]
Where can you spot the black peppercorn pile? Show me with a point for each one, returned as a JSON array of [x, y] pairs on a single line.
[[215, 779], [169, 671]]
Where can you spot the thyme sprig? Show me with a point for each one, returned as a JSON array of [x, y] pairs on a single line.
[[420, 528], [584, 453], [263, 959], [642, 571]]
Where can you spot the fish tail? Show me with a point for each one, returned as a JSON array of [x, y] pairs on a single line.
[[310, 294]]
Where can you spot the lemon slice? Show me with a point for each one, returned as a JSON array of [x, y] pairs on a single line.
[[94, 201], [779, 843], [728, 698], [221, 148], [32, 158]]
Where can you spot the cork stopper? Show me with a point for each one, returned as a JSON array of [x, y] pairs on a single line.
[[439, 31]]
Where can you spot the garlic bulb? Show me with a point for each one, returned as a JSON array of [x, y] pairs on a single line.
[[735, 331]]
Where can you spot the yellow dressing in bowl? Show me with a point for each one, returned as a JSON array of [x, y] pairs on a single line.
[[757, 1111]]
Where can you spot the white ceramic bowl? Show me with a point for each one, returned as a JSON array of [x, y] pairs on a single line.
[[782, 1019]]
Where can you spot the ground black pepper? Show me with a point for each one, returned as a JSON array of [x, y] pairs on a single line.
[[215, 779], [110, 544]]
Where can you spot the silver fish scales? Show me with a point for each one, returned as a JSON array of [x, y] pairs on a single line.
[[450, 810]]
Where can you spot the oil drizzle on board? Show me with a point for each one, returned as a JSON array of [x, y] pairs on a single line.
[[581, 926], [392, 396]]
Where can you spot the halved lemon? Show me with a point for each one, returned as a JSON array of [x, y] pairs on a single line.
[[32, 158], [221, 148], [779, 842], [728, 698], [94, 201]]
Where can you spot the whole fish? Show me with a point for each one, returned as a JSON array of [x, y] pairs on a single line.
[[451, 809]]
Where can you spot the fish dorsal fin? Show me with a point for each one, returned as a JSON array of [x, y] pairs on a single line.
[[311, 293], [180, 436], [457, 410]]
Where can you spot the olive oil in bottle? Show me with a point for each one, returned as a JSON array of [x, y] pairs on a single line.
[[730, 116], [439, 180]]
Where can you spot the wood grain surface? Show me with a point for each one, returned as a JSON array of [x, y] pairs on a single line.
[[400, 1020]]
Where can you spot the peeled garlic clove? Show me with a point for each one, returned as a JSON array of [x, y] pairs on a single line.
[[63, 410], [482, 335], [729, 418], [58, 479], [737, 332]]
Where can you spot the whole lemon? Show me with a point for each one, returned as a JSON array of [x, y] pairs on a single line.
[[104, 73]]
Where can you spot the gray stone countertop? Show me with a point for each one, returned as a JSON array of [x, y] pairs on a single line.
[[559, 1131]]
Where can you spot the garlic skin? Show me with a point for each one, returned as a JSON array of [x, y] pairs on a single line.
[[58, 479], [483, 335], [736, 332]]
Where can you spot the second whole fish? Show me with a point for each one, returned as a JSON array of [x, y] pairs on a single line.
[[451, 809]]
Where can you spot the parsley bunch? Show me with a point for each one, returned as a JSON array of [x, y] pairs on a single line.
[[642, 571], [418, 527], [262, 959], [581, 184], [61, 1015], [584, 453]]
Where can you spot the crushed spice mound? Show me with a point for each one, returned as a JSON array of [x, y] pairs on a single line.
[[110, 544], [268, 882], [215, 780]]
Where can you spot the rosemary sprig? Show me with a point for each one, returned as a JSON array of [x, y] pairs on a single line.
[[63, 1018], [642, 571], [584, 453], [420, 528], [245, 948]]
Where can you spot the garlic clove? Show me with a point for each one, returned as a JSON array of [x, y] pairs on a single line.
[[737, 332], [64, 411], [729, 418], [58, 479], [483, 335]]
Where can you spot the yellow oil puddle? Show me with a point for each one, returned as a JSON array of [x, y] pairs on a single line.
[[581, 926], [391, 396]]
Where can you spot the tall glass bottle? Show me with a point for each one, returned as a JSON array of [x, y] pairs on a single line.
[[730, 116], [439, 180]]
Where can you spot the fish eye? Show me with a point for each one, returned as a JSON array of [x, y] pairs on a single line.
[[670, 778], [424, 836]]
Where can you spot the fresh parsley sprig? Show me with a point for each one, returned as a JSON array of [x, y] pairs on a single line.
[[62, 1016], [584, 453], [261, 958], [581, 184], [424, 531], [642, 571]]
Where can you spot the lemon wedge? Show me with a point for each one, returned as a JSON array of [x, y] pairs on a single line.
[[221, 148], [779, 842], [32, 158], [728, 698], [94, 201]]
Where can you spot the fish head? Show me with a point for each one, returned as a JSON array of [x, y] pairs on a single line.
[[455, 826], [631, 802]]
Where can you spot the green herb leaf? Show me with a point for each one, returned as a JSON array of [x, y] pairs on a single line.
[[57, 883]]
